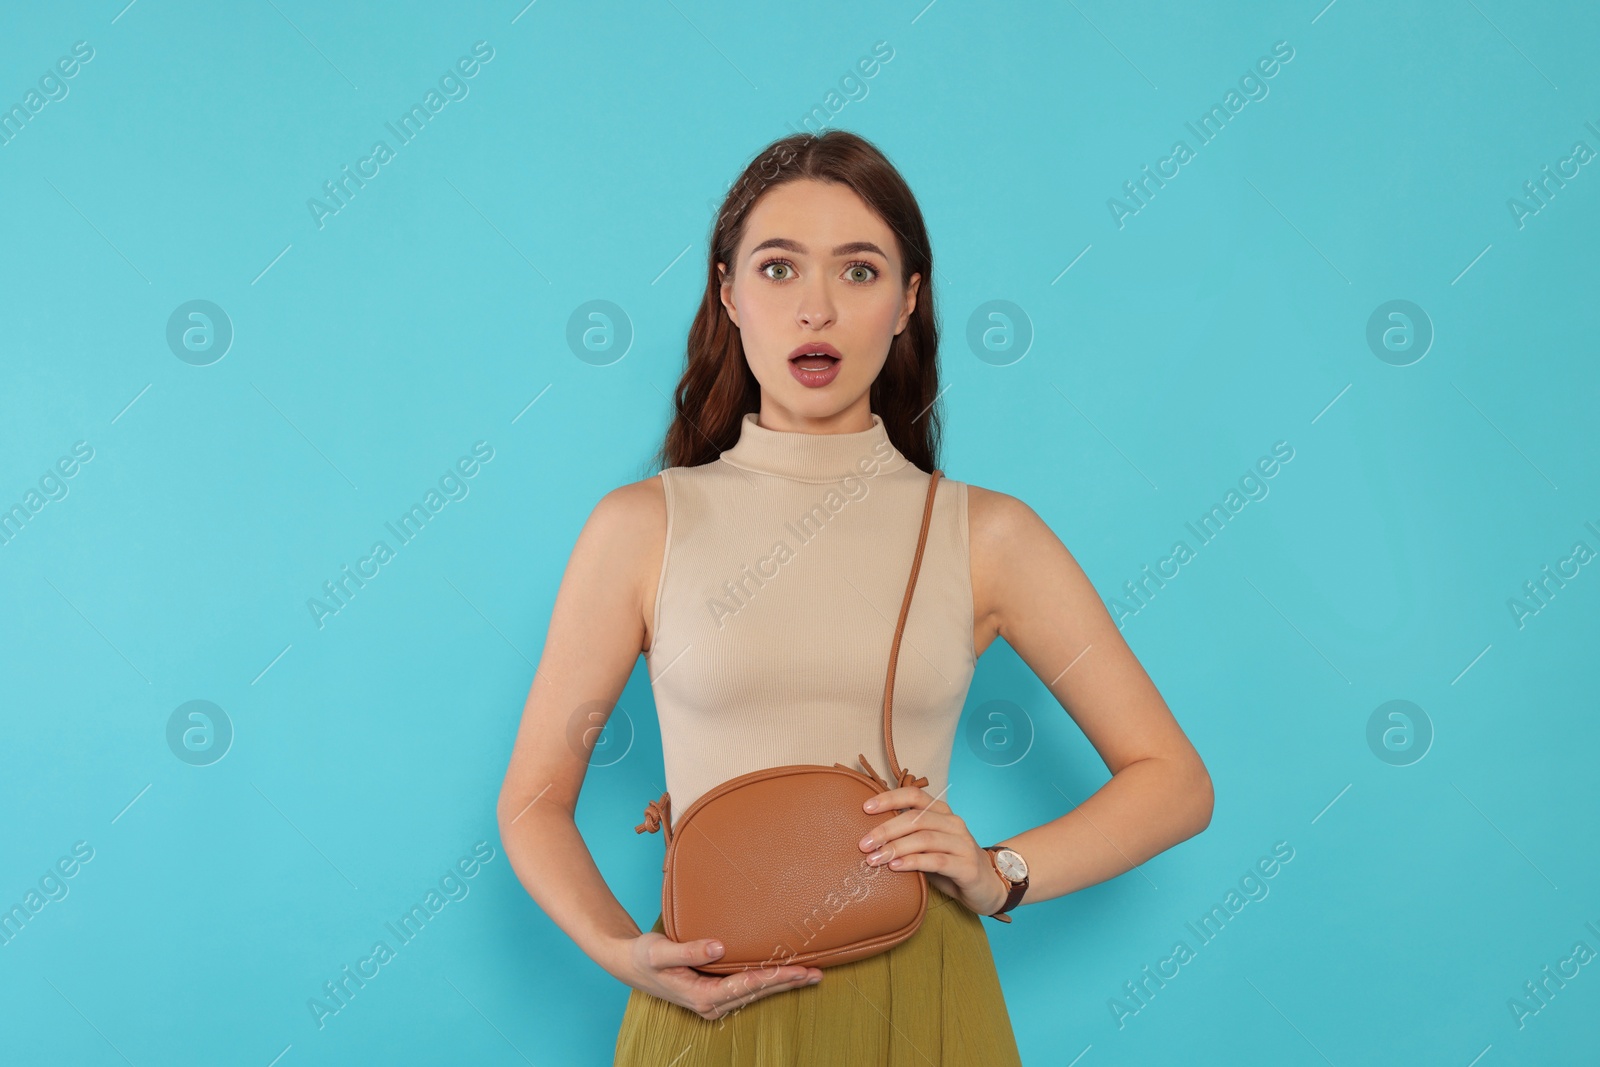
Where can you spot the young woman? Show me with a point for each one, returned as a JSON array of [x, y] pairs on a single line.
[[761, 573]]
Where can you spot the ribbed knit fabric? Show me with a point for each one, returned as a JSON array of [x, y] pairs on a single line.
[[786, 563], [785, 566]]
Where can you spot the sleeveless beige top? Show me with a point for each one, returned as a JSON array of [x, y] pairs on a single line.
[[786, 562]]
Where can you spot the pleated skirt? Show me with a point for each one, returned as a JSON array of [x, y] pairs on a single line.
[[933, 1000]]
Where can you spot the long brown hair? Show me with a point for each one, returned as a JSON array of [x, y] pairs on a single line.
[[717, 388]]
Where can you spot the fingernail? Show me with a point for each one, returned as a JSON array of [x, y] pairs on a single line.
[[871, 805], [814, 979], [715, 948]]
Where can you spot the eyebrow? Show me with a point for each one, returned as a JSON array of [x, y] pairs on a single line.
[[846, 249]]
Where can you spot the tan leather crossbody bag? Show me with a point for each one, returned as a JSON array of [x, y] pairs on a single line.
[[768, 862]]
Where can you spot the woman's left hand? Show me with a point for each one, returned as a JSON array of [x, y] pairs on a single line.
[[930, 838]]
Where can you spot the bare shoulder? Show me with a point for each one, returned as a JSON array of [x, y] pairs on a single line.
[[1007, 537], [626, 535], [632, 510], [997, 518], [992, 521], [1017, 560]]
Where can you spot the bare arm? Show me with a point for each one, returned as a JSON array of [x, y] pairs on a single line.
[[597, 630], [1028, 589], [600, 624]]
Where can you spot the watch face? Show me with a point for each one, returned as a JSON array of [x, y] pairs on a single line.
[[1011, 864]]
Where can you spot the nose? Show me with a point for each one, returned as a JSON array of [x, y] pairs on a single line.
[[816, 309]]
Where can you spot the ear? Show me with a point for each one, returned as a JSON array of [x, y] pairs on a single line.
[[912, 289], [726, 293]]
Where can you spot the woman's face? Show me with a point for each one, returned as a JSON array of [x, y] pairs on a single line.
[[816, 269]]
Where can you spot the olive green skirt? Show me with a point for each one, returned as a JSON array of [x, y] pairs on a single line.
[[933, 1000]]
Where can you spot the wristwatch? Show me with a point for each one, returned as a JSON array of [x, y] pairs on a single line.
[[1013, 871]]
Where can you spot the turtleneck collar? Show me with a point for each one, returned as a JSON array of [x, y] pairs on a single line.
[[814, 457]]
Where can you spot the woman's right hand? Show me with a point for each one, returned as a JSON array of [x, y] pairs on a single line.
[[664, 968]]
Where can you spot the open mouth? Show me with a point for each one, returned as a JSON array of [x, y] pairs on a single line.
[[815, 365], [815, 355]]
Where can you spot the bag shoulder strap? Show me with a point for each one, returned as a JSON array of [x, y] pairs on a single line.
[[903, 776], [658, 814]]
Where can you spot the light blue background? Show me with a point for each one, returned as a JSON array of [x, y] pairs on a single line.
[[1229, 314]]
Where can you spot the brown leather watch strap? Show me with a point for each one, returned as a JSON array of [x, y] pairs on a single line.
[[1014, 891]]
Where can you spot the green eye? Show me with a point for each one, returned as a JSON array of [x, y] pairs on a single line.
[[851, 271]]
